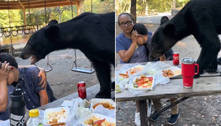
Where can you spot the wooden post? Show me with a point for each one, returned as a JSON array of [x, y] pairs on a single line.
[[24, 16], [133, 9], [174, 4], [78, 8]]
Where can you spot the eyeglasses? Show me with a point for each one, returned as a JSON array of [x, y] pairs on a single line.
[[128, 23]]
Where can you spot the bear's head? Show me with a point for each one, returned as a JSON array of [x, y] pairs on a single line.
[[163, 39], [41, 42]]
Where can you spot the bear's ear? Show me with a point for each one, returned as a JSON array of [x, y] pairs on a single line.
[[169, 30], [53, 22], [52, 32]]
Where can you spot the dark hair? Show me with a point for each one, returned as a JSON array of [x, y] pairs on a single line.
[[163, 20], [8, 58], [140, 28], [129, 15]]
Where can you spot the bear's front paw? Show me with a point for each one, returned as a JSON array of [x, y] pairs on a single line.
[[211, 70]]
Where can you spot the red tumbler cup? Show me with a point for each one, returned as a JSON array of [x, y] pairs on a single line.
[[188, 72]]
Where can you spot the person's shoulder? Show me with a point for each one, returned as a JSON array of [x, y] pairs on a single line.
[[30, 70], [120, 36], [150, 33]]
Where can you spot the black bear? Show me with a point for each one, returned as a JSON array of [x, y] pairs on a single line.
[[91, 33], [200, 18]]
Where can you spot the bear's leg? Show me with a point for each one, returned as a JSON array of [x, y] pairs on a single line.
[[210, 47], [103, 72], [205, 33], [212, 67]]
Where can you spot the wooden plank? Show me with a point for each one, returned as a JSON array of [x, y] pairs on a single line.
[[202, 87], [35, 4], [91, 92]]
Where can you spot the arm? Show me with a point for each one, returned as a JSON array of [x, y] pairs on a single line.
[[38, 89], [43, 97], [3, 96], [125, 55], [3, 87]]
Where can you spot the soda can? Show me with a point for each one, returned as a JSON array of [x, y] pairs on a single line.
[[176, 59], [82, 89]]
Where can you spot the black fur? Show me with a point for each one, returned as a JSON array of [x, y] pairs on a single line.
[[200, 18], [91, 33]]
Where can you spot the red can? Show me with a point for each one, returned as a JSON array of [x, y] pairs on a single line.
[[82, 89], [176, 59]]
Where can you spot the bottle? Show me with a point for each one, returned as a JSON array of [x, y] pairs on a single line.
[[34, 118], [17, 108]]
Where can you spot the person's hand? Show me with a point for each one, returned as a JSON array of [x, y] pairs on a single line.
[[43, 76], [4, 70], [163, 58], [134, 37]]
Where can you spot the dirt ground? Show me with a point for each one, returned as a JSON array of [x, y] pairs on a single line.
[[196, 111]]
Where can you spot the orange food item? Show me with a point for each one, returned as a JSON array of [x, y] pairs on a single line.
[[105, 104], [168, 73], [124, 75], [96, 121]]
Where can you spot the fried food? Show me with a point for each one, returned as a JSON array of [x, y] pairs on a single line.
[[95, 121], [168, 73], [105, 104], [124, 75]]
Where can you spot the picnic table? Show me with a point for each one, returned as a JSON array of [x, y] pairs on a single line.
[[91, 92], [208, 84]]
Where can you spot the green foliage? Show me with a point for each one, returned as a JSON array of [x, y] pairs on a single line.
[[64, 13], [148, 7]]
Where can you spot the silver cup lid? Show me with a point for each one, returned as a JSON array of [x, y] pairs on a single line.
[[187, 60]]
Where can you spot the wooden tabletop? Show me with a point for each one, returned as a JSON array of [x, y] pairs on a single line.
[[201, 87], [91, 92]]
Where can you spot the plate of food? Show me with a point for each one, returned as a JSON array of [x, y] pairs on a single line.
[[171, 72], [131, 71], [106, 103], [98, 120], [56, 116], [143, 82]]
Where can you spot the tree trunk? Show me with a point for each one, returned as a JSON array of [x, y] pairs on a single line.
[[133, 9], [174, 4]]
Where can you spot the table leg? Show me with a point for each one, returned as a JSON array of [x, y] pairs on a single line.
[[143, 112]]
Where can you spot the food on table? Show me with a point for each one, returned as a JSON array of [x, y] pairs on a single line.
[[124, 75], [56, 116], [168, 73], [135, 70], [143, 82], [105, 105], [96, 121], [117, 88], [131, 71]]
